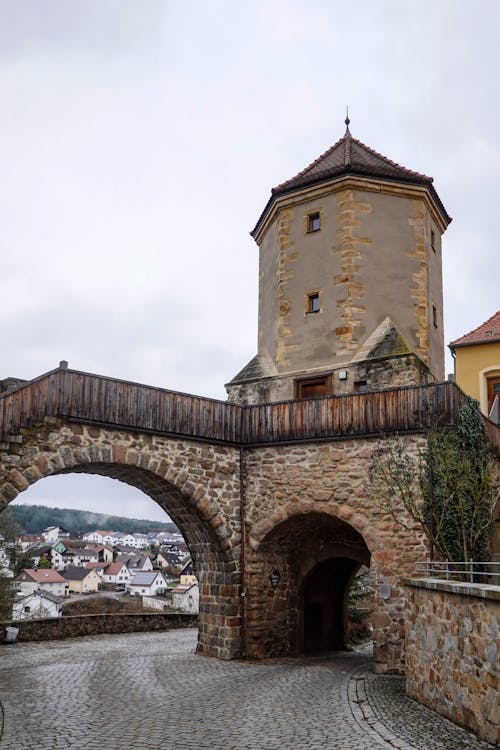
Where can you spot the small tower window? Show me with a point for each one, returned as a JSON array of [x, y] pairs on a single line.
[[313, 222], [434, 316], [433, 240], [312, 303]]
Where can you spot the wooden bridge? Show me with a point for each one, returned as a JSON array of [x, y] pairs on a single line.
[[254, 489], [79, 396]]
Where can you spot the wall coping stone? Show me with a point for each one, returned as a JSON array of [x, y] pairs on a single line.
[[480, 590]]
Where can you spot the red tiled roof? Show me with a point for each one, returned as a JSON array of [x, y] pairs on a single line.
[[485, 333], [350, 154], [45, 575], [112, 569]]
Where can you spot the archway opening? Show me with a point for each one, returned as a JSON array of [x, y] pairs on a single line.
[[325, 607], [212, 556], [318, 558]]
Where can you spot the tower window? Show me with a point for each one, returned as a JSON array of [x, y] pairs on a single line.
[[313, 222], [434, 316], [312, 303], [433, 240]]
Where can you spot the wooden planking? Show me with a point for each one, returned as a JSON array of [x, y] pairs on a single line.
[[96, 399]]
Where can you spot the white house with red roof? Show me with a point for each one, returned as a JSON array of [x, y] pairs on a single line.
[[117, 573], [30, 580]]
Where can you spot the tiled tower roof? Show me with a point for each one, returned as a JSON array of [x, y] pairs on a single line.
[[350, 156]]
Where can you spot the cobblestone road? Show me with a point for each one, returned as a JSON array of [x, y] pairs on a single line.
[[149, 691]]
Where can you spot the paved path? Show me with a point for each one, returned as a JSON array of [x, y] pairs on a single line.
[[149, 691]]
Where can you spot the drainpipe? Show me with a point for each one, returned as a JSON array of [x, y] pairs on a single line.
[[243, 631]]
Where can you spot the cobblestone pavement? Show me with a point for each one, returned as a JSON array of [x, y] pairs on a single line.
[[150, 691]]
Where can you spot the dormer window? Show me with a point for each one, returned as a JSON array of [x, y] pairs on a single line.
[[313, 222]]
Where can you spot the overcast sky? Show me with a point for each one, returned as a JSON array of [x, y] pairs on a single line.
[[139, 142]]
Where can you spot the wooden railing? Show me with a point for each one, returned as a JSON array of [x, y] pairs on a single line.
[[116, 403], [96, 399]]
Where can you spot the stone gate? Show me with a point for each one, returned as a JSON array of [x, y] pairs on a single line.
[[256, 490]]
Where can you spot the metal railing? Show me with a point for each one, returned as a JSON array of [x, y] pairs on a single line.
[[470, 571]]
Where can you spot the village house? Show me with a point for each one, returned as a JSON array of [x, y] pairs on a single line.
[[186, 598], [78, 556], [52, 553], [30, 580], [148, 583], [25, 541], [477, 365], [160, 561], [104, 551], [100, 536], [54, 534], [117, 573], [187, 577], [82, 580], [37, 605], [97, 566], [135, 562]]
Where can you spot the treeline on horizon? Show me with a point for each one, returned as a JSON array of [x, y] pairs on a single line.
[[32, 519]]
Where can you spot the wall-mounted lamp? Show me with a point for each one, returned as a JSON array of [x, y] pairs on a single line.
[[274, 577], [385, 591]]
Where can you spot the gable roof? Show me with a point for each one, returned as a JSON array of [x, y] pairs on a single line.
[[484, 334], [43, 595], [44, 575], [74, 573], [113, 568], [350, 156], [145, 578]]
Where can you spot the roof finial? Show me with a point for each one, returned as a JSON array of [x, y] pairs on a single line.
[[347, 120], [347, 141]]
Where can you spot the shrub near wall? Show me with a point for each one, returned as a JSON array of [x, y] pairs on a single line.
[[452, 652], [72, 627]]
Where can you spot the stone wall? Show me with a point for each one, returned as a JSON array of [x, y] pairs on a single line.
[[377, 373], [453, 650], [301, 504], [196, 483], [57, 628], [309, 502]]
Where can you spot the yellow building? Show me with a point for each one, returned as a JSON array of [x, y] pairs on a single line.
[[477, 365], [82, 580]]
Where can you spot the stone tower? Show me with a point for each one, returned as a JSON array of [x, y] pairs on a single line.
[[350, 282]]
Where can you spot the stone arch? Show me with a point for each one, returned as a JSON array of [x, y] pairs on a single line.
[[195, 483], [297, 547]]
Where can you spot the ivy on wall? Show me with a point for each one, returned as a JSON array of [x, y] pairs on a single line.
[[446, 487]]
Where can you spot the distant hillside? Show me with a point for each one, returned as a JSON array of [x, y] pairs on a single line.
[[34, 518]]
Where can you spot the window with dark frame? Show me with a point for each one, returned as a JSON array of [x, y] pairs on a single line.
[[434, 316], [433, 240], [313, 305], [313, 222]]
